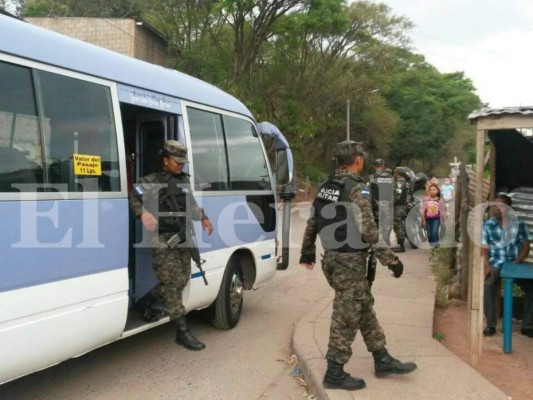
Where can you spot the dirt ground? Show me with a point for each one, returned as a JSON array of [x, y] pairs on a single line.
[[512, 373]]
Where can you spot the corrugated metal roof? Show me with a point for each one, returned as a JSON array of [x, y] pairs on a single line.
[[485, 112]]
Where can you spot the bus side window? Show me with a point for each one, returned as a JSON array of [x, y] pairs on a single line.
[[208, 150], [20, 143], [247, 164], [79, 121]]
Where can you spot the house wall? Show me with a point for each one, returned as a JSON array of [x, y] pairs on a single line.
[[120, 35], [149, 47]]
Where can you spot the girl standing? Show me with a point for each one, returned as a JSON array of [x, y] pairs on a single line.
[[433, 214]]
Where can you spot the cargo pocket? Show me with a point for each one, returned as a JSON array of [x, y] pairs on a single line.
[[342, 278], [347, 274]]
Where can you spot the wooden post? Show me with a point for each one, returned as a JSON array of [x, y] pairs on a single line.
[[492, 195], [462, 215], [476, 284], [492, 164]]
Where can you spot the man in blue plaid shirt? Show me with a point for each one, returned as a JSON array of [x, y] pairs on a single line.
[[505, 238]]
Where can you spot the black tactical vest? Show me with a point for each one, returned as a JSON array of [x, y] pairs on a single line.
[[334, 211], [173, 198]]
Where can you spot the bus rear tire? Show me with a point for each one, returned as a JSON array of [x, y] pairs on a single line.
[[228, 304]]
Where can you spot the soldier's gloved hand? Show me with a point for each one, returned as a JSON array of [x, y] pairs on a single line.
[[307, 259], [396, 267]]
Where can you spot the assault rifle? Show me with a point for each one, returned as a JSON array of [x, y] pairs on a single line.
[[177, 240], [371, 267], [185, 233]]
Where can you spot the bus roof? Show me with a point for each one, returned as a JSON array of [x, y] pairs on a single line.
[[34, 43]]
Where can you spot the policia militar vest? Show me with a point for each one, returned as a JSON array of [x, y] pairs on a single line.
[[381, 189], [335, 215], [382, 186]]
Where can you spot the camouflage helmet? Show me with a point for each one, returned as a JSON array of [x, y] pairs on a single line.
[[401, 171], [350, 148], [379, 162], [175, 150]]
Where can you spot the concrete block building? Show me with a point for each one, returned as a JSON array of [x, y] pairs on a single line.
[[134, 38]]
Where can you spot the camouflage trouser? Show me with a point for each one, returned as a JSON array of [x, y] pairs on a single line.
[[400, 214], [173, 269], [353, 305], [385, 219]]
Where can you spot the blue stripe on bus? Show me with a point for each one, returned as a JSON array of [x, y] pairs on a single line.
[[266, 256], [57, 228], [46, 239], [196, 275]]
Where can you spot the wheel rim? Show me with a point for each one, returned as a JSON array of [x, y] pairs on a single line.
[[236, 293], [413, 226]]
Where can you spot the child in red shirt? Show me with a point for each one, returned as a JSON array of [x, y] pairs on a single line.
[[433, 214]]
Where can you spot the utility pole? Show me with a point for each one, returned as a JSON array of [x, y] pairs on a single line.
[[348, 113]]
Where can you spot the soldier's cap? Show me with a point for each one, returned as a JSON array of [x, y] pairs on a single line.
[[176, 150], [379, 161], [350, 148]]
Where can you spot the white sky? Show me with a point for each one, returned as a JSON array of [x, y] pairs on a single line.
[[490, 40]]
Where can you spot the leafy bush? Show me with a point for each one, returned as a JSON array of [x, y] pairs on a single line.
[[314, 173]]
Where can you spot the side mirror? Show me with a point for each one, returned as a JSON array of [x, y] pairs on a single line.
[[284, 160], [283, 166]]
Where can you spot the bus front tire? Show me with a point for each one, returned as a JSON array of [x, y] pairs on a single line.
[[228, 304]]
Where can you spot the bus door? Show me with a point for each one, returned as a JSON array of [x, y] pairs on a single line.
[[151, 131]]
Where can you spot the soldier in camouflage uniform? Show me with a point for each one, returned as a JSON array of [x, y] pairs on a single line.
[[344, 221], [381, 188], [401, 197], [172, 266]]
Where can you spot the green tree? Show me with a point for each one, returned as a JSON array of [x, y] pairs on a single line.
[[198, 36], [235, 30], [317, 61], [252, 22], [297, 63], [432, 108], [80, 8]]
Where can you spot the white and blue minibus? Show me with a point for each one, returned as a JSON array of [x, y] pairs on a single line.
[[78, 126]]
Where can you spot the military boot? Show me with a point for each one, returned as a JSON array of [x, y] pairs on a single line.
[[400, 248], [385, 365], [144, 306], [336, 378], [184, 335]]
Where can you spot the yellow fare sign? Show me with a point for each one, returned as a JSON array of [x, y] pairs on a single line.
[[86, 164]]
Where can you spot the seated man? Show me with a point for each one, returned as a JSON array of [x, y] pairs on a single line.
[[505, 238]]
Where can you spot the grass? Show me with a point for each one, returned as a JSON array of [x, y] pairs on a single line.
[[441, 261], [439, 336]]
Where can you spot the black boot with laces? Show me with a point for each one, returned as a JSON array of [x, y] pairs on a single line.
[[336, 378], [385, 364]]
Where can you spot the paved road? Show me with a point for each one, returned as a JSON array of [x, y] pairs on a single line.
[[243, 363]]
